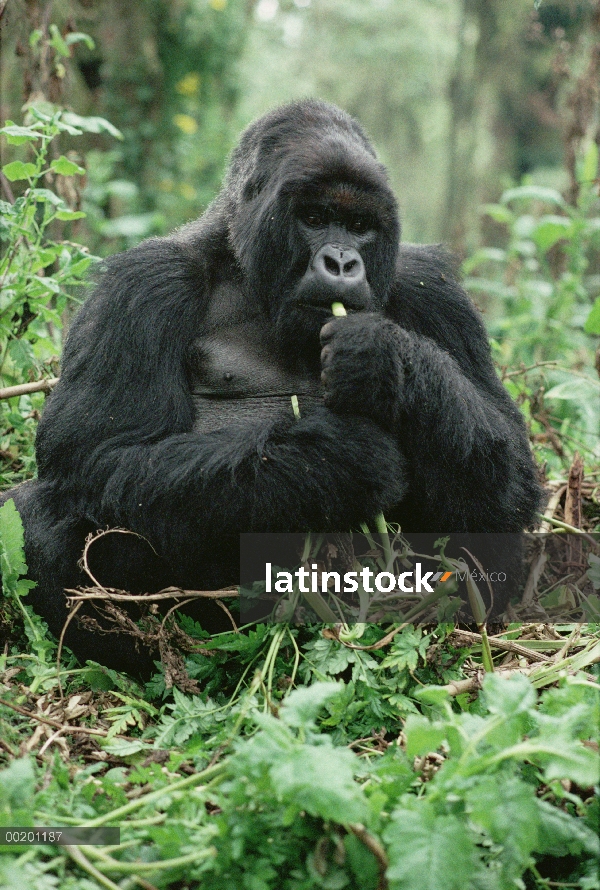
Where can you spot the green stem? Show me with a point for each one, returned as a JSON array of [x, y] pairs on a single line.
[[339, 310]]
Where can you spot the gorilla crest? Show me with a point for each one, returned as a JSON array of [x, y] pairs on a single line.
[[173, 419]]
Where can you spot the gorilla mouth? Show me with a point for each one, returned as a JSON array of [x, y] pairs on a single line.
[[325, 308]]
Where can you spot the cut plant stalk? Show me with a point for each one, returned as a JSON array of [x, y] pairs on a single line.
[[339, 310], [479, 614]]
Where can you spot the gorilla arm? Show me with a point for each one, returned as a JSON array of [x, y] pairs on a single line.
[[424, 371], [117, 438]]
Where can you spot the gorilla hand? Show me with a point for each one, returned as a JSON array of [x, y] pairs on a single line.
[[362, 368]]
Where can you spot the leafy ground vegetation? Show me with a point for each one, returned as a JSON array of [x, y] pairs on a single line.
[[329, 756]]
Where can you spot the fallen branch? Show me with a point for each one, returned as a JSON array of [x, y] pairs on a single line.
[[504, 645], [169, 593], [8, 392]]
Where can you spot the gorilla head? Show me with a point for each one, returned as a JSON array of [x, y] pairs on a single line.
[[305, 185]]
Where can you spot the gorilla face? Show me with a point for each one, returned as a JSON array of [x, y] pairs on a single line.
[[312, 221], [340, 231]]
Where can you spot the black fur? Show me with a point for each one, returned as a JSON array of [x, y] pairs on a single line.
[[173, 417]]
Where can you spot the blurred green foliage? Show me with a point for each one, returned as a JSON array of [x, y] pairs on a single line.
[[540, 292]]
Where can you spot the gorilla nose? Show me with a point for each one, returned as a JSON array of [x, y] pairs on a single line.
[[339, 266]]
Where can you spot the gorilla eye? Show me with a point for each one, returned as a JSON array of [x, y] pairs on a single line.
[[360, 224], [314, 218]]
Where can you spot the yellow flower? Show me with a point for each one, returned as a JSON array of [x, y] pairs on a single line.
[[189, 85], [186, 123]]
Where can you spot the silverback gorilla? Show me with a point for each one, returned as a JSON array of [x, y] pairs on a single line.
[[173, 418]]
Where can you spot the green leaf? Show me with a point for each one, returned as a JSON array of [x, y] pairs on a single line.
[[508, 697], [19, 170], [498, 213], [593, 572], [423, 736], [122, 748], [91, 124], [42, 195], [428, 851], [320, 780], [562, 835], [80, 37], [482, 256], [550, 230], [69, 214], [592, 322], [12, 543], [589, 167], [16, 135], [533, 193], [58, 43], [576, 389], [17, 786], [66, 167], [35, 37], [303, 705], [511, 819]]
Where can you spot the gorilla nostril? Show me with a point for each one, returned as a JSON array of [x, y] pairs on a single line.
[[332, 266], [350, 267]]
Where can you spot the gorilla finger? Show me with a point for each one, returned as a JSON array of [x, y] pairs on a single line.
[[325, 355], [327, 332]]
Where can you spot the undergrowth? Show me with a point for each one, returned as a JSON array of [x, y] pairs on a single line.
[[304, 762]]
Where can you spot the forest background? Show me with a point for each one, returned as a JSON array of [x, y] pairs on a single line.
[[292, 758]]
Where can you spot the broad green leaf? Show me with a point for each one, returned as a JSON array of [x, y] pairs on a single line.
[[422, 735], [76, 269], [91, 124], [563, 835], [42, 195], [550, 230], [510, 819], [592, 322], [66, 167], [122, 748], [507, 697], [320, 780], [17, 786], [12, 553], [533, 193], [69, 214], [428, 851], [16, 135], [303, 705], [498, 213], [19, 170]]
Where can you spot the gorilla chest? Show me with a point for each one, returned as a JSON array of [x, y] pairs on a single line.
[[239, 378]]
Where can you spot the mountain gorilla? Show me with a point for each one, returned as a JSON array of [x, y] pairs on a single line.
[[173, 416]]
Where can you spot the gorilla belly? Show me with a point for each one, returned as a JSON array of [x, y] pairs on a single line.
[[216, 412]]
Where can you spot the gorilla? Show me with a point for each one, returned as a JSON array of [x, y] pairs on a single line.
[[173, 415]]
